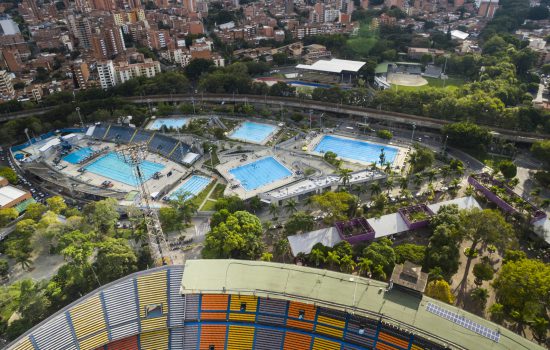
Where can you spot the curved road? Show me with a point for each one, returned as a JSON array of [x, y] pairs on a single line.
[[358, 112]]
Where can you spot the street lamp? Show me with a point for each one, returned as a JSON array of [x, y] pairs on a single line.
[[412, 136], [310, 112], [79, 117]]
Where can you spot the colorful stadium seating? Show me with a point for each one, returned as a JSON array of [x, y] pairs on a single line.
[[146, 311]]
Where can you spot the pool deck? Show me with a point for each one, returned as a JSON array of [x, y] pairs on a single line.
[[224, 169], [263, 142], [71, 171], [399, 159]]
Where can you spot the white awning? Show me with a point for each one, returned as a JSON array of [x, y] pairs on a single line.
[[334, 66], [302, 243]]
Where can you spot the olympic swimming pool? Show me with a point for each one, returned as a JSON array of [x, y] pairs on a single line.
[[357, 150], [174, 123], [77, 156], [193, 186], [111, 166], [253, 132], [260, 173]]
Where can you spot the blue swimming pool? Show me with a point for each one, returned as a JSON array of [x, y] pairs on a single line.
[[253, 132], [174, 123], [111, 166], [193, 186], [77, 156], [260, 173], [354, 149]]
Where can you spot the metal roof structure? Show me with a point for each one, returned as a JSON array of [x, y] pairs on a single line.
[[9, 194], [345, 292], [335, 65]]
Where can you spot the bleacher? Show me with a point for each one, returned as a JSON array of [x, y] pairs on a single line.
[[120, 134], [146, 311], [433, 71], [162, 144], [99, 132]]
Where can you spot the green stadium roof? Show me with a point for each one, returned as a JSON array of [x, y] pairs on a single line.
[[342, 291], [21, 207]]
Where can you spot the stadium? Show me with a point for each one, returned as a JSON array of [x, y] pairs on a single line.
[[86, 162], [238, 305]]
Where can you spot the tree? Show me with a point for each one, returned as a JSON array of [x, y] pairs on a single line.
[[487, 226], [4, 268], [347, 264], [231, 203], [185, 207], [7, 215], [384, 134], [115, 259], [382, 255], [345, 176], [480, 295], [102, 215], [290, 206], [440, 290], [508, 169], [364, 266], [197, 67], [238, 236], [410, 252], [540, 149], [299, 222], [333, 259], [483, 272], [523, 288], [35, 211], [442, 252], [282, 89], [466, 135], [274, 210], [169, 218], [56, 204], [375, 189], [266, 256], [336, 204], [389, 185], [282, 248], [421, 158], [9, 174], [316, 256]]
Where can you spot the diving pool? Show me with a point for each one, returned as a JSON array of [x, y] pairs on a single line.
[[190, 188], [170, 123], [111, 166], [356, 150], [260, 173], [253, 132], [77, 156]]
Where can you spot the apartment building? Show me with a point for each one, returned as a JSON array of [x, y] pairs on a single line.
[[111, 74], [6, 86]]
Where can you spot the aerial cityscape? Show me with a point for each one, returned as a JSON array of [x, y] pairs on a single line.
[[274, 174]]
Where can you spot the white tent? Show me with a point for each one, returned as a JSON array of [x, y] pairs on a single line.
[[302, 243]]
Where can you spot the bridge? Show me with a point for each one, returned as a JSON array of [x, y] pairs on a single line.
[[356, 112]]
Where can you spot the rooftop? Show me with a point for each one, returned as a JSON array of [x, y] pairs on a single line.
[[9, 194], [345, 292], [410, 276], [334, 66]]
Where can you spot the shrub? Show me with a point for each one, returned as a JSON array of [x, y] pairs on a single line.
[[384, 134]]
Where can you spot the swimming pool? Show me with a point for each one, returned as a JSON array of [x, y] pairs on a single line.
[[260, 173], [111, 166], [354, 149], [193, 186], [175, 123], [253, 132], [77, 156]]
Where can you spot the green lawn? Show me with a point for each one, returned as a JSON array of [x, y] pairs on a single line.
[[216, 193], [197, 200], [209, 206]]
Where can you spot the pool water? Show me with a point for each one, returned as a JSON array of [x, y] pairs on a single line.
[[253, 132], [77, 156], [354, 149], [193, 186], [175, 123], [111, 166], [260, 173]]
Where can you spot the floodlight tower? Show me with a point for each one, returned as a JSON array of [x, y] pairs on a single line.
[[134, 155]]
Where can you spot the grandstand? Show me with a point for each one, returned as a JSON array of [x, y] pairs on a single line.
[[240, 305], [164, 145], [433, 71]]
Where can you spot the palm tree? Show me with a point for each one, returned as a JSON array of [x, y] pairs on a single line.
[[282, 248], [417, 180], [316, 256], [375, 188], [469, 190], [455, 183], [347, 264], [333, 259], [274, 210], [430, 175], [403, 182], [24, 260], [389, 185], [373, 166], [387, 168], [359, 189], [345, 176], [481, 295], [445, 171], [364, 266], [291, 206]]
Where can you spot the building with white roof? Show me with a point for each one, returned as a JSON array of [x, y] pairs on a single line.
[[11, 196], [332, 70]]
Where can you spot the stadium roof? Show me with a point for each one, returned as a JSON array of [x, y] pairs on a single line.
[[342, 291], [333, 66], [9, 194]]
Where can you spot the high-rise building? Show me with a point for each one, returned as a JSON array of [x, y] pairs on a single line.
[[81, 29], [106, 73], [108, 42], [6, 86], [81, 74], [487, 8]]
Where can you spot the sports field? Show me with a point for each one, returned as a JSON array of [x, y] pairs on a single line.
[[452, 82]]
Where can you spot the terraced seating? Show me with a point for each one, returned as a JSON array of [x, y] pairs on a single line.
[[190, 337], [323, 344], [120, 134], [130, 343], [239, 302], [300, 315], [192, 307], [156, 340], [122, 309], [141, 136], [177, 302], [272, 311], [56, 334], [331, 322], [356, 326], [99, 132], [296, 341], [179, 152], [162, 144], [212, 335], [268, 339], [152, 291], [214, 307], [240, 338]]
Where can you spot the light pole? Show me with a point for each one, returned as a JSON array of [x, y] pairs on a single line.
[[445, 144], [211, 159], [149, 105], [193, 101], [79, 117], [30, 142], [412, 136], [310, 112]]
